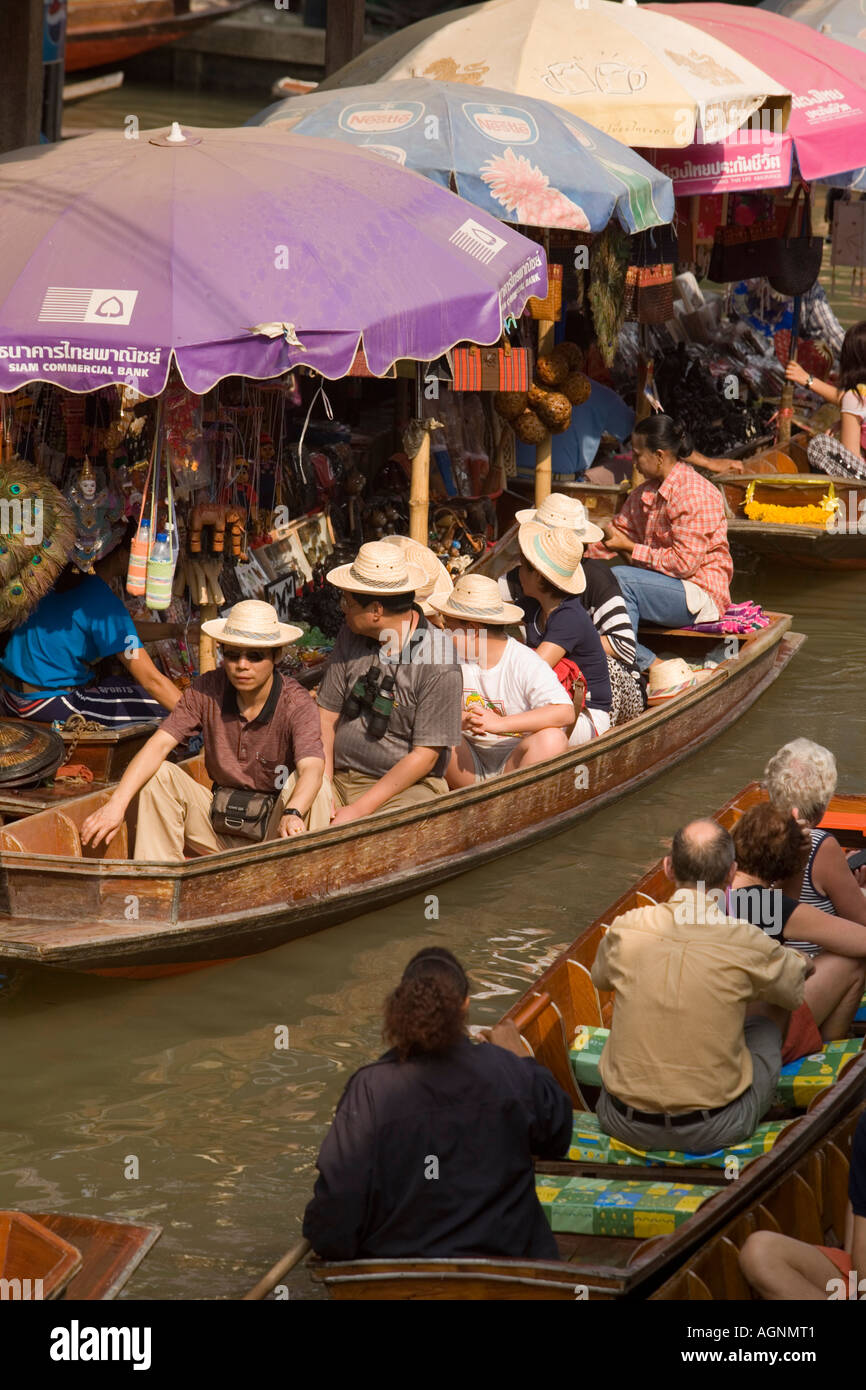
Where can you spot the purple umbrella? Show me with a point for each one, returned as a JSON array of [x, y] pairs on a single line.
[[238, 252]]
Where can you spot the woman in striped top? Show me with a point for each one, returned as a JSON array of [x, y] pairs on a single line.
[[801, 779], [769, 847]]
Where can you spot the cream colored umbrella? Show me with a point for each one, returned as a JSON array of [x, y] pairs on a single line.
[[646, 78]]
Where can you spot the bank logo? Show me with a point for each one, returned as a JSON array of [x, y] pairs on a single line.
[[477, 241], [63, 304]]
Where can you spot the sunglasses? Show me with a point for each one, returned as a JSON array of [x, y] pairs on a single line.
[[251, 654]]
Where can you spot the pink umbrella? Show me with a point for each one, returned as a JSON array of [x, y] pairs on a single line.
[[827, 129]]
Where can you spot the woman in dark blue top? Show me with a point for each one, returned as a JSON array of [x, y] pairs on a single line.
[[430, 1153]]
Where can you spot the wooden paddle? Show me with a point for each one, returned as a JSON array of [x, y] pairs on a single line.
[[281, 1268]]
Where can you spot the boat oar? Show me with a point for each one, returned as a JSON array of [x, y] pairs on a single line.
[[281, 1268]]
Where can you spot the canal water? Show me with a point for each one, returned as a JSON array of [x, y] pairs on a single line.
[[173, 1101]]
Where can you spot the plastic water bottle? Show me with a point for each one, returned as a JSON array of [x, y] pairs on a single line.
[[139, 550], [160, 573]]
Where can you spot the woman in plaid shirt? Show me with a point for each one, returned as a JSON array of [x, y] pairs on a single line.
[[673, 532]]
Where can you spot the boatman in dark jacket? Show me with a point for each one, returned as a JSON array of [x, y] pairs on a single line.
[[430, 1153]]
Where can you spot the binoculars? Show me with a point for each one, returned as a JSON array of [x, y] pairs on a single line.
[[374, 694]]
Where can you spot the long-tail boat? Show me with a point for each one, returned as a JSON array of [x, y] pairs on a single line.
[[57, 1255], [77, 908], [782, 478], [109, 31], [625, 1222], [103, 754]]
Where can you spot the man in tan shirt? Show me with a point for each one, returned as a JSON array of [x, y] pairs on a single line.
[[701, 1009]]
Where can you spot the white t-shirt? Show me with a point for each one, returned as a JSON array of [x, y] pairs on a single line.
[[519, 681], [854, 403]]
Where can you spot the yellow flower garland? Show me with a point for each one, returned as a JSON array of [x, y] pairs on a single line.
[[819, 514]]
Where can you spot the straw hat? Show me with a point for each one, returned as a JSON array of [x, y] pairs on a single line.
[[378, 568], [560, 510], [554, 552], [476, 599], [438, 583], [671, 678], [252, 623]]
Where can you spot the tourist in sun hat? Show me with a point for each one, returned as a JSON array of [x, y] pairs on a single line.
[[558, 626], [262, 738], [390, 698], [438, 582], [515, 712], [601, 597]]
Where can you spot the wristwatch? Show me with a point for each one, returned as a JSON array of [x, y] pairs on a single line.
[[292, 811], [809, 382]]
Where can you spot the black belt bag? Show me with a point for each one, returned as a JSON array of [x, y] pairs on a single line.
[[242, 812]]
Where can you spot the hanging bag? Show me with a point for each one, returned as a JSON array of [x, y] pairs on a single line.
[[797, 259], [499, 368]]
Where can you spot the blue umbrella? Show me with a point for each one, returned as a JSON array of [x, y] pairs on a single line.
[[517, 158], [844, 20]]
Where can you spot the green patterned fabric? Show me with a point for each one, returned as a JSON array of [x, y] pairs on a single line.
[[808, 1076], [860, 1016], [618, 1206], [589, 1144], [798, 1083]]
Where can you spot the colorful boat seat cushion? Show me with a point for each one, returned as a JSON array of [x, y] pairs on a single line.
[[804, 1079], [799, 1081], [589, 1144], [618, 1206], [860, 1016]]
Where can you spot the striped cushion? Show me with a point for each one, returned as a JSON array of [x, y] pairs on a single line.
[[589, 1144], [616, 1206]]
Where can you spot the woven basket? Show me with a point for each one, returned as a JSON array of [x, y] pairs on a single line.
[[550, 307], [649, 293]]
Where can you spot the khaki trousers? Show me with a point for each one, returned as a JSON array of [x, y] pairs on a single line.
[[349, 786], [174, 815]]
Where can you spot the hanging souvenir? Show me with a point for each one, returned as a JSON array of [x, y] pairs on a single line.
[[99, 517]]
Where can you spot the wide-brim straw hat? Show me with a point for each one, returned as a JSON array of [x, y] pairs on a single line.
[[438, 583], [671, 678], [558, 509], [252, 623], [476, 599], [378, 568], [556, 553]]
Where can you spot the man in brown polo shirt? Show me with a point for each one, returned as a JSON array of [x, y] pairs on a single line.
[[261, 732]]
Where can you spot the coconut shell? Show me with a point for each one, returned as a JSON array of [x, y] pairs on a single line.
[[536, 395], [573, 355], [577, 388], [529, 429], [551, 370], [509, 404], [555, 412]]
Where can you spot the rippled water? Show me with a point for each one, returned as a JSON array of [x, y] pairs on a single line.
[[184, 1075]]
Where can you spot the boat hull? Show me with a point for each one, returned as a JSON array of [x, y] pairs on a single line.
[[112, 31], [246, 901]]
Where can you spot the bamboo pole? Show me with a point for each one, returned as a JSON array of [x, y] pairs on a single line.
[[419, 492], [206, 647], [279, 1271], [544, 450]]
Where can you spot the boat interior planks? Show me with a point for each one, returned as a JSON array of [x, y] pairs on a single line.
[[109, 1251], [95, 910], [809, 1203], [548, 1015]]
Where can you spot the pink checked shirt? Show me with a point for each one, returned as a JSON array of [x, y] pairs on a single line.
[[679, 529]]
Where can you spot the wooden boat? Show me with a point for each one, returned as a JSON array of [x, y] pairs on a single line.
[[783, 478], [58, 1255], [109, 31], [106, 753], [562, 1002], [809, 1202], [98, 912]]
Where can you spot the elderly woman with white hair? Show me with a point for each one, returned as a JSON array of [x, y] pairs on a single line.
[[801, 779]]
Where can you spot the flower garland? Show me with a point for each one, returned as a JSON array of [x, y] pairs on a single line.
[[819, 514]]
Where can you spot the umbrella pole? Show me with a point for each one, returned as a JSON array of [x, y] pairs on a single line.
[[544, 450], [786, 403], [419, 489]]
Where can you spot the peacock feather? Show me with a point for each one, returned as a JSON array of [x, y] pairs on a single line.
[[37, 530]]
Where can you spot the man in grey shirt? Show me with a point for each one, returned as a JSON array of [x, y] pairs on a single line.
[[391, 699]]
